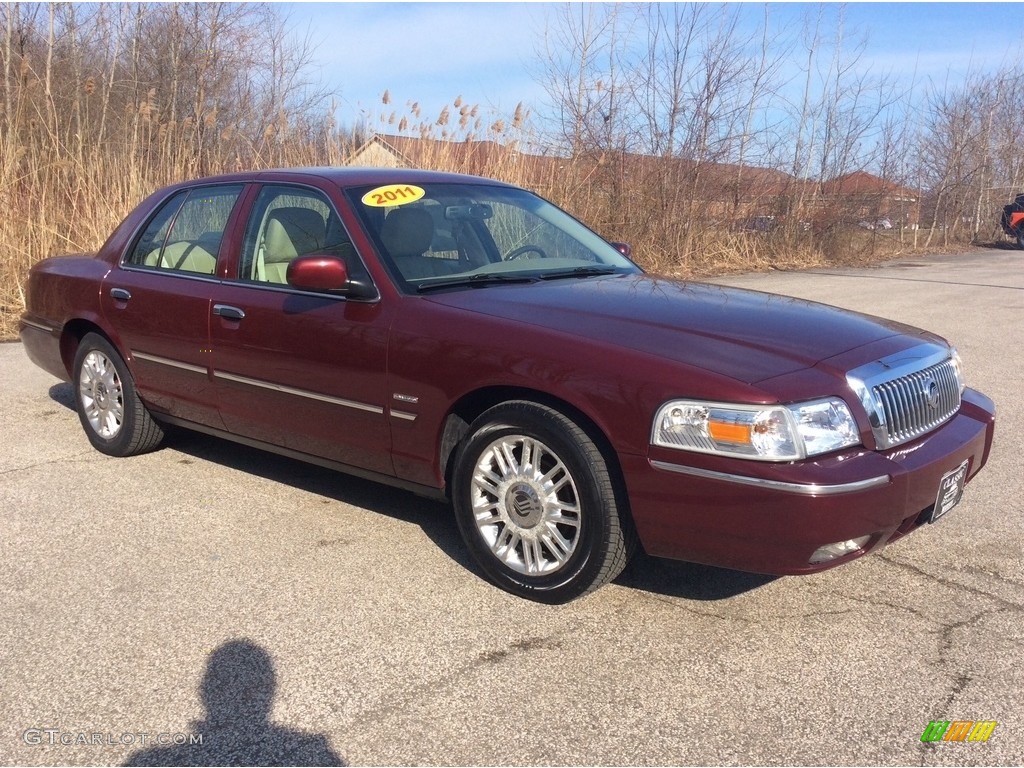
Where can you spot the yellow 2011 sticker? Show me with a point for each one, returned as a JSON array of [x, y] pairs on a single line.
[[392, 194]]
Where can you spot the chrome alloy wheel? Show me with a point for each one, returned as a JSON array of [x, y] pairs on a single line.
[[526, 505], [102, 395]]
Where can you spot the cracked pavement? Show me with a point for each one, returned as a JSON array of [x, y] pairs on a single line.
[[122, 581]]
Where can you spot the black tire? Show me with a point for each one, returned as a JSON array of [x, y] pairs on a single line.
[[550, 528], [112, 415], [1020, 237]]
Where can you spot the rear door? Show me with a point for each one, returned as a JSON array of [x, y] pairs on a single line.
[[158, 300], [301, 370]]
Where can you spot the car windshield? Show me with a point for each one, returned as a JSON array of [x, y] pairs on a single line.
[[442, 235]]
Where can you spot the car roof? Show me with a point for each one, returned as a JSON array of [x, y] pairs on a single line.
[[347, 176]]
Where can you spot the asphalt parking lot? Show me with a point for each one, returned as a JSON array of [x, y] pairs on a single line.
[[292, 615]]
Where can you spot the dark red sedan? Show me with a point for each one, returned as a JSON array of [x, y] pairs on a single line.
[[464, 338]]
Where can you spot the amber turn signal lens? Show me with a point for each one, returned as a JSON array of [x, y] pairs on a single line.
[[729, 432]]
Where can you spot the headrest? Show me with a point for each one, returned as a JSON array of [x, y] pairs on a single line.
[[293, 232], [407, 232]]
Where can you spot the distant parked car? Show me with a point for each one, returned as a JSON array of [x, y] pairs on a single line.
[[760, 224], [465, 339], [876, 224]]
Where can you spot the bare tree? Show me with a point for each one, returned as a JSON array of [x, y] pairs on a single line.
[[104, 102]]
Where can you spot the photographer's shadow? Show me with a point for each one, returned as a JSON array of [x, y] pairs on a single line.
[[238, 692]]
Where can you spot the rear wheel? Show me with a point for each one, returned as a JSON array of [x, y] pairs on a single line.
[[1020, 237], [114, 418], [536, 505]]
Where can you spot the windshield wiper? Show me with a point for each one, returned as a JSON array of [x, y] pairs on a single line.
[[486, 278], [579, 272]]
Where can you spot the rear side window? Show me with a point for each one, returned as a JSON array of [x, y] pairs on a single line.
[[185, 233], [153, 236]]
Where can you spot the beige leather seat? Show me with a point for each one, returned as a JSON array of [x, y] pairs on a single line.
[[407, 233], [185, 256], [290, 232]]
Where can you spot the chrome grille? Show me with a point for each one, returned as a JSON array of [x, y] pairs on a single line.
[[918, 402], [908, 394]]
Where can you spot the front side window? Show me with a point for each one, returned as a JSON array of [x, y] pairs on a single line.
[[288, 222], [449, 233], [186, 232]]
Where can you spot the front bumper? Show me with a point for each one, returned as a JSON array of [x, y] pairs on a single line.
[[771, 518]]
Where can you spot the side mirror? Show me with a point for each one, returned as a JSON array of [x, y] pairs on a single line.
[[623, 248], [320, 272]]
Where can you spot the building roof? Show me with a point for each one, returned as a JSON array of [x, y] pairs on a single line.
[[424, 152], [864, 184]]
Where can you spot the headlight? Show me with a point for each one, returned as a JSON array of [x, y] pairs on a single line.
[[958, 368], [762, 432]]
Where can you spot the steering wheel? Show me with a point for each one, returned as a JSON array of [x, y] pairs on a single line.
[[523, 250]]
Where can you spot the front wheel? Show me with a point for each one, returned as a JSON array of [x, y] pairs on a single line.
[[536, 504], [114, 418], [1020, 237]]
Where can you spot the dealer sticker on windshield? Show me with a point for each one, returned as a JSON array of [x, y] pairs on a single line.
[[951, 489], [392, 194]]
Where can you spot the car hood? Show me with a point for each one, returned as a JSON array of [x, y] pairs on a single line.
[[746, 335]]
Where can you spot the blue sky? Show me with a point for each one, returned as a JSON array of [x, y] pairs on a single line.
[[426, 52], [485, 52]]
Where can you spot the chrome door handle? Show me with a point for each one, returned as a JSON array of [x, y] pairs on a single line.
[[231, 313], [121, 294]]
